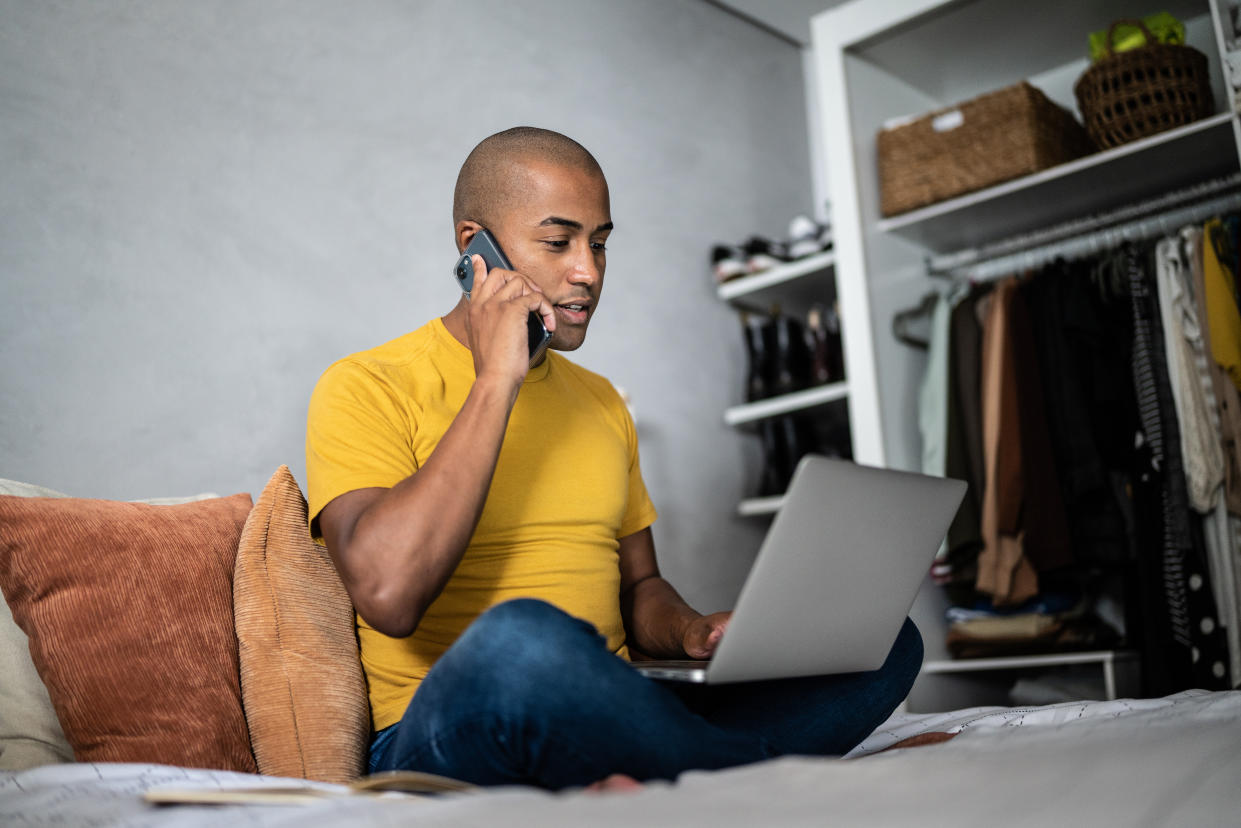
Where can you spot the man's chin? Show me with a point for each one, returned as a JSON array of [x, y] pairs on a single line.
[[571, 342]]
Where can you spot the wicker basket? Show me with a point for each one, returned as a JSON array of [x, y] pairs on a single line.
[[1004, 134], [1130, 95]]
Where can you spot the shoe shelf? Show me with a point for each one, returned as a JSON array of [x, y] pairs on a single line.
[[758, 506], [786, 403], [1108, 660], [1098, 182], [779, 283]]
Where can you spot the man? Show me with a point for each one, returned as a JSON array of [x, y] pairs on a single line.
[[490, 523]]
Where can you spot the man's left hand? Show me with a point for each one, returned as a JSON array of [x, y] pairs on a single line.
[[703, 634]]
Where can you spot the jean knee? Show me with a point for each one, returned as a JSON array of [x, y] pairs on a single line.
[[524, 627], [905, 659]]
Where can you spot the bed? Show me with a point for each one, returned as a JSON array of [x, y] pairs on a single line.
[[1170, 761]]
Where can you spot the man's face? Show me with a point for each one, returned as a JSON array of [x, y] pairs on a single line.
[[556, 237]]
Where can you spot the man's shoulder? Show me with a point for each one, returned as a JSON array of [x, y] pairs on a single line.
[[390, 361], [597, 385], [581, 374]]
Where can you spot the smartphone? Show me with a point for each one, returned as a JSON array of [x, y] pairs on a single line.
[[485, 245]]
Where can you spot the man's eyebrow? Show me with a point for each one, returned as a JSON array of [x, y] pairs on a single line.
[[570, 223]]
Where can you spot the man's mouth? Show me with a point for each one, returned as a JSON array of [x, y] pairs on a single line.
[[573, 312]]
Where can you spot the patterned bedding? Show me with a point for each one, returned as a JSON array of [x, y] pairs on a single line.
[[1170, 761]]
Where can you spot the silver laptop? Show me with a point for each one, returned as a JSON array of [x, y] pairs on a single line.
[[835, 577]]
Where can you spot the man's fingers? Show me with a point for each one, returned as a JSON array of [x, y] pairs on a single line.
[[704, 635], [480, 274], [540, 305], [510, 284]]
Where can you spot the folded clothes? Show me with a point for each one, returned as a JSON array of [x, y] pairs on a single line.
[[1028, 634], [1046, 603], [1027, 625]]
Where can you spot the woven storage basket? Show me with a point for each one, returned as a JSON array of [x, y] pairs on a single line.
[[1130, 95], [1004, 134]]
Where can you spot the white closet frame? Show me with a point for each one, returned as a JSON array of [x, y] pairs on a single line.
[[875, 60]]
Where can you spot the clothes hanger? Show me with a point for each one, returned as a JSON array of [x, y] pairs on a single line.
[[903, 319]]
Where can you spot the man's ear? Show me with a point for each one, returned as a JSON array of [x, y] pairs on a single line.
[[466, 230]]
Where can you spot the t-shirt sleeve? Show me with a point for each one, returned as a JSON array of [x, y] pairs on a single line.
[[358, 436], [639, 510]]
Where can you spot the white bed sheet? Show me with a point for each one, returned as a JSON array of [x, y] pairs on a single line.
[[1172, 761]]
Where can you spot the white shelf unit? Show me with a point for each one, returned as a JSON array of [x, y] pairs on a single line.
[[875, 60], [760, 506], [1098, 182], [1116, 666], [797, 284], [764, 285], [785, 403]]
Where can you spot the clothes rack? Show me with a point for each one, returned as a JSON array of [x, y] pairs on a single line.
[[1094, 234]]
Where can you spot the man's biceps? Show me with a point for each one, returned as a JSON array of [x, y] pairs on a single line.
[[340, 516]]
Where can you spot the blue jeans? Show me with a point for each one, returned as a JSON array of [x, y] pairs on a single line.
[[531, 695]]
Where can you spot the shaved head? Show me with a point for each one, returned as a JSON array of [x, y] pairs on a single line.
[[495, 176]]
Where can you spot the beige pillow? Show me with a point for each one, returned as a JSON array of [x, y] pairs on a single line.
[[128, 608], [301, 675], [30, 734]]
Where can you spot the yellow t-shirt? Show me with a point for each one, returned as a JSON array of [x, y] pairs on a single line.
[[1223, 317], [567, 485]]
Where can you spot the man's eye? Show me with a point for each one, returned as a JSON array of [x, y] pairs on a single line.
[[556, 242], [598, 246]]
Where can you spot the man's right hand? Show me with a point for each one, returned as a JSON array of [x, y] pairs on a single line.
[[396, 548], [496, 322]]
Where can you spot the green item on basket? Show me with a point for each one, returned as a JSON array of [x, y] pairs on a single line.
[[1165, 28]]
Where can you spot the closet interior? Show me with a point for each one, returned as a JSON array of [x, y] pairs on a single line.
[[1048, 338]]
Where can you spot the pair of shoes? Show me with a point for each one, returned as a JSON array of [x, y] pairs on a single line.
[[785, 441], [827, 353], [727, 263], [780, 359], [788, 438], [754, 256], [758, 253], [808, 237], [786, 356]]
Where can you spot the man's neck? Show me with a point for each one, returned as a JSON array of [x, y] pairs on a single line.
[[454, 322]]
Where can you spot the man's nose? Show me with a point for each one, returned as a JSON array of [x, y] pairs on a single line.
[[585, 269]]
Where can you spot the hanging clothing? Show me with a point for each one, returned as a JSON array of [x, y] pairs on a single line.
[[966, 374], [1227, 397], [964, 458], [1221, 303], [933, 395], [1219, 531], [1184, 644], [942, 450], [1081, 343], [1023, 523], [1183, 348]]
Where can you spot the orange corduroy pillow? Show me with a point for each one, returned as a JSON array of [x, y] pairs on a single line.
[[129, 612], [301, 676]]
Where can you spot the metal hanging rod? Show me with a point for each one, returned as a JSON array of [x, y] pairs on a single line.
[[1092, 234]]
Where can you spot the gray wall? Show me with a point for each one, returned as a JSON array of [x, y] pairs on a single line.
[[203, 204]]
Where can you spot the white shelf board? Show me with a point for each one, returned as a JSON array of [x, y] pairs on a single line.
[[756, 506], [1102, 181], [944, 53], [786, 403], [748, 285], [973, 665]]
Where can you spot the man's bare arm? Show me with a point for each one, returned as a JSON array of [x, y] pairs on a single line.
[[395, 549], [659, 622]]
